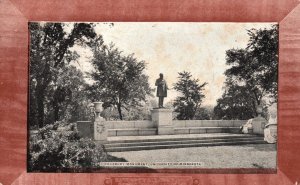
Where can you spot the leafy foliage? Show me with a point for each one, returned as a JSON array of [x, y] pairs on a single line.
[[70, 100], [237, 102], [257, 65], [251, 77], [191, 97], [119, 80], [58, 148], [49, 56], [203, 113], [132, 113]]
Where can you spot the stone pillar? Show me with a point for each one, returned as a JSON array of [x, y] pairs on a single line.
[[162, 119], [270, 132], [100, 124], [100, 129], [259, 123]]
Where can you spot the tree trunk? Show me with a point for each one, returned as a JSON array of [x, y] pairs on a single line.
[[40, 106], [254, 107], [56, 111], [120, 111], [56, 100], [195, 110]]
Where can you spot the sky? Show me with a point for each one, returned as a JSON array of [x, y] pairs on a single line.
[[172, 47]]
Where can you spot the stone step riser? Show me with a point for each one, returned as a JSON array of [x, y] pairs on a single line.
[[206, 130], [156, 147], [177, 131], [183, 139], [179, 142], [134, 132]]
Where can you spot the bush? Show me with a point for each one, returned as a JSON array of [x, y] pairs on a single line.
[[58, 148]]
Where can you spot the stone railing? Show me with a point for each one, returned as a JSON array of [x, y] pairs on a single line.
[[176, 123], [130, 124], [208, 123], [85, 128]]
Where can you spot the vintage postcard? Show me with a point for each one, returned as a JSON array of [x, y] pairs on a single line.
[[152, 95]]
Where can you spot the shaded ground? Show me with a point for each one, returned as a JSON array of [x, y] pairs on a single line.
[[244, 156]]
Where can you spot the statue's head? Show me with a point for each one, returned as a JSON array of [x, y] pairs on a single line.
[[161, 75]]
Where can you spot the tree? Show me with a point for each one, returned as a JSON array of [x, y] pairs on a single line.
[[130, 113], [237, 102], [70, 98], [191, 97], [119, 79], [251, 77], [49, 51], [257, 65], [204, 113], [263, 47]]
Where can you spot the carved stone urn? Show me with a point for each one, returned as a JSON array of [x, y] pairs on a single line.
[[98, 108]]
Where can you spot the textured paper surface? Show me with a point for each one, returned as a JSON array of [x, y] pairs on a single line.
[[14, 18]]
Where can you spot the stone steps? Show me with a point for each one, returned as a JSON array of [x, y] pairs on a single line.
[[129, 139], [180, 142], [177, 142], [159, 138]]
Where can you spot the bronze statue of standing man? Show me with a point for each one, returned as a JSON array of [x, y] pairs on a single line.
[[162, 88]]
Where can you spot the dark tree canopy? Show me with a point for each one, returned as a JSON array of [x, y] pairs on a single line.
[[257, 65], [49, 53], [120, 80], [188, 103], [237, 102], [203, 113], [252, 76]]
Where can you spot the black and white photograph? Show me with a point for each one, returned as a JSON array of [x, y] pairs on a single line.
[[152, 95]]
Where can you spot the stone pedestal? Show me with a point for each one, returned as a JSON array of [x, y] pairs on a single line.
[[258, 125], [271, 127], [270, 133], [162, 119], [100, 129]]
